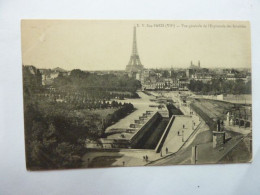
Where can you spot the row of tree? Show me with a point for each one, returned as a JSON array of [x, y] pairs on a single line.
[[79, 104], [219, 86], [89, 96], [90, 81], [118, 114]]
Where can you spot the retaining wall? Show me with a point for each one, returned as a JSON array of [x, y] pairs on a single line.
[[144, 129], [164, 136]]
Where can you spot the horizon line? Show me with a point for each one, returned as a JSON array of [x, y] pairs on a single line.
[[166, 68]]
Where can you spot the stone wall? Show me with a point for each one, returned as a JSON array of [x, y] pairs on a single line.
[[144, 129]]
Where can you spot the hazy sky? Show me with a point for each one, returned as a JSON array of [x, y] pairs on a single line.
[[107, 45]]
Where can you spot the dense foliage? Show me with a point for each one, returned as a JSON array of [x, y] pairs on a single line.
[[218, 86], [80, 80], [55, 131]]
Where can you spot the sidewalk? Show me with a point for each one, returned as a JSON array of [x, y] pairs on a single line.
[[184, 124]]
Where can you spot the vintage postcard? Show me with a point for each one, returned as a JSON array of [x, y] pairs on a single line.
[[114, 93]]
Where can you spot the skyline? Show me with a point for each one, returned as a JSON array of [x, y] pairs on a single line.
[[69, 44]]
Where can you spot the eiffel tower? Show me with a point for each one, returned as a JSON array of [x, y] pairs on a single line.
[[134, 64]]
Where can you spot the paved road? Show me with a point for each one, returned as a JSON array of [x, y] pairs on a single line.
[[182, 156]]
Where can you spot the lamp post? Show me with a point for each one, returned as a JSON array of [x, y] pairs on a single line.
[[194, 155]]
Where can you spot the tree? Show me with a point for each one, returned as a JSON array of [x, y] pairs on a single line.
[[165, 74]]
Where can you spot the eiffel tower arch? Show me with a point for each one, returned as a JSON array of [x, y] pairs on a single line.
[[134, 65]]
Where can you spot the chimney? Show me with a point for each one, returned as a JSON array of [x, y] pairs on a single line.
[[218, 138]]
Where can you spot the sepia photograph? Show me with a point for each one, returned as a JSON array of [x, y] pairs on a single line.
[[123, 93]]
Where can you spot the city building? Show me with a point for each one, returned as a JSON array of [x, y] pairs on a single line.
[[240, 117]]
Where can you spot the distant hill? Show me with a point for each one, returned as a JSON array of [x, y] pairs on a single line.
[[58, 69]]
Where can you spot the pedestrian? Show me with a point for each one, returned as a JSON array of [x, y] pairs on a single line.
[[178, 133], [166, 150], [183, 126], [146, 158], [123, 163]]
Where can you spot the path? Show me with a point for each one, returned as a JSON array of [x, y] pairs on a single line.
[[141, 104]]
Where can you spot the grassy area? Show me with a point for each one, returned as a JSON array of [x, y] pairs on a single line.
[[103, 112], [104, 161]]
